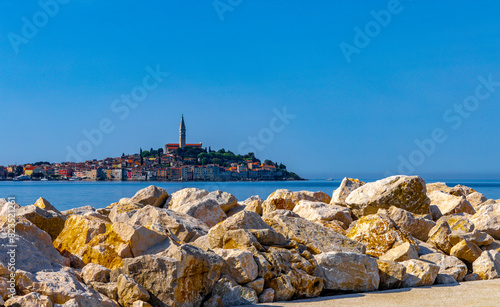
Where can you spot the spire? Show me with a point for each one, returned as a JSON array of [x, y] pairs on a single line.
[[182, 133]]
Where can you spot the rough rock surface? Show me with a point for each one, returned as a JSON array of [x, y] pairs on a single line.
[[315, 211], [391, 274], [253, 203], [487, 219], [476, 199], [317, 238], [153, 196], [342, 192], [238, 264], [233, 294], [450, 204], [225, 200], [466, 251], [184, 196], [49, 221], [379, 233], [348, 271], [449, 265], [405, 192], [417, 226], [401, 253], [130, 291], [285, 199], [206, 210], [419, 273], [487, 266]]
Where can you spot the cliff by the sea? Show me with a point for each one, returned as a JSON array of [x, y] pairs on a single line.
[[200, 248]]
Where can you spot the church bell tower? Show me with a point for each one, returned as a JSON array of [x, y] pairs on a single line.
[[182, 133]]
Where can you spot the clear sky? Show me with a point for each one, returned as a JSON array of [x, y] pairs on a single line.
[[410, 89]]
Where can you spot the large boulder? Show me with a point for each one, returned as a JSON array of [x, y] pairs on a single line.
[[123, 240], [391, 274], [317, 238], [401, 253], [34, 235], [153, 196], [487, 219], [253, 203], [29, 300], [416, 225], [458, 190], [348, 271], [183, 196], [450, 204], [487, 266], [405, 192], [439, 236], [238, 264], [206, 210], [184, 227], [476, 199], [225, 200], [129, 291], [95, 272], [419, 273], [466, 250], [180, 276], [47, 220], [449, 265], [122, 211], [342, 192], [315, 211], [232, 294], [286, 199], [379, 233], [42, 203], [77, 233], [62, 286]]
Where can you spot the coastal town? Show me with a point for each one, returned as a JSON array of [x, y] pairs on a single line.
[[174, 162]]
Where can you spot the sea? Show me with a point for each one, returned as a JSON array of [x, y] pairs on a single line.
[[65, 195]]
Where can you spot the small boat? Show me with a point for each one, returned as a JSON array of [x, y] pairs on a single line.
[[329, 179], [44, 179]]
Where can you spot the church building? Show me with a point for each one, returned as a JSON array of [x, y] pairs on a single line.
[[170, 147]]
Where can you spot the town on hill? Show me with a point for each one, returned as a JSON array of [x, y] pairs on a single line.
[[175, 162]]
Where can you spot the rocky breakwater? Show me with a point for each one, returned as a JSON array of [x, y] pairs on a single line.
[[201, 248]]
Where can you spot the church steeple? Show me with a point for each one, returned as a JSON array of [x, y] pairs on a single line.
[[182, 133]]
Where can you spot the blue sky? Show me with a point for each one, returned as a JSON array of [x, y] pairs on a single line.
[[362, 117]]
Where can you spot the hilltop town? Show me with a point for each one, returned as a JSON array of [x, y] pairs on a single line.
[[175, 162]]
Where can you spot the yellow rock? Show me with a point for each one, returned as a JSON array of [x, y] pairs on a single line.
[[379, 233], [466, 251]]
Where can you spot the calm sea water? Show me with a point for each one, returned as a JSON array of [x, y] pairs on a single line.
[[67, 195]]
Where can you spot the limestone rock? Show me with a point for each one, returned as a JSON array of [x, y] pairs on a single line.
[[405, 192], [317, 238], [472, 277], [417, 226], [495, 245], [79, 211], [425, 248], [487, 266], [319, 196], [206, 210], [239, 265], [153, 196], [184, 227], [233, 294], [242, 220], [29, 300], [183, 196], [109, 289], [458, 190], [348, 271], [95, 272], [459, 223], [180, 276], [257, 285], [476, 199], [241, 239], [487, 219], [466, 251], [49, 221], [346, 187], [130, 291], [379, 233], [225, 200], [450, 204], [141, 304], [400, 253], [449, 265], [285, 199], [122, 212], [439, 237], [42, 203], [61, 286], [282, 287], [477, 237], [391, 274], [34, 235], [419, 273], [267, 296], [315, 211], [28, 257], [235, 210], [253, 203], [78, 231]]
